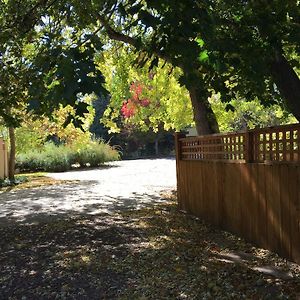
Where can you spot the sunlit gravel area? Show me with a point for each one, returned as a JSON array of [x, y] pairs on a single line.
[[116, 233], [129, 184]]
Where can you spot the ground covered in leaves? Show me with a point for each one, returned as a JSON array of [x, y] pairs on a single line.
[[31, 180], [153, 253]]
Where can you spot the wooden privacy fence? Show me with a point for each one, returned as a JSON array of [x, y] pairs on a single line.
[[3, 160], [245, 182]]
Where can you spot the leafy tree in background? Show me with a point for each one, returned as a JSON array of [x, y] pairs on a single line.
[[235, 48], [35, 132], [248, 115], [144, 29], [149, 98], [145, 106], [46, 59]]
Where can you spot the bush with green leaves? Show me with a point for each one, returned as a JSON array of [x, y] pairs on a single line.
[[52, 158], [94, 153], [6, 182]]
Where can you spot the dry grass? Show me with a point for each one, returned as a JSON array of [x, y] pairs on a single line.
[[34, 180]]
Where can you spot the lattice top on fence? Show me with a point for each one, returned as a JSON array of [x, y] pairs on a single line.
[[281, 144], [230, 146]]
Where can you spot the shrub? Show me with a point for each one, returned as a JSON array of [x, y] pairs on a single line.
[[62, 158], [50, 158], [95, 153], [6, 182]]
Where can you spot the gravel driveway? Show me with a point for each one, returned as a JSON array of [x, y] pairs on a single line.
[[117, 186], [78, 241]]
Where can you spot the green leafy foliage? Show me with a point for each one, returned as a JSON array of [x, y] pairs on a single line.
[[46, 59], [63, 158], [33, 133], [240, 49], [160, 100], [70, 146], [248, 115]]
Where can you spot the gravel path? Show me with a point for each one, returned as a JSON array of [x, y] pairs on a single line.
[[118, 186], [101, 237]]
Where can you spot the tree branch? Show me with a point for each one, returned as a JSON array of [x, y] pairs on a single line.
[[118, 36], [30, 15]]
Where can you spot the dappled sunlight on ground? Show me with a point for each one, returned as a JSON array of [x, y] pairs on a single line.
[[85, 198], [109, 237], [123, 185], [151, 253]]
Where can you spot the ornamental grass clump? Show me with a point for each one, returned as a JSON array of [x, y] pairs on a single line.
[[53, 158], [95, 153]]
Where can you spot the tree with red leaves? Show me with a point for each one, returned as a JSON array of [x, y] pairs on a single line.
[[132, 105], [149, 99]]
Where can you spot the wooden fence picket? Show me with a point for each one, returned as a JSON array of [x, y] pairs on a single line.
[[245, 182]]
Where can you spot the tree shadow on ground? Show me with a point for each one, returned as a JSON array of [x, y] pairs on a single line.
[[30, 205], [148, 253]]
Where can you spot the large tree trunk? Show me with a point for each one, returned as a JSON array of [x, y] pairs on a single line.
[[204, 117], [12, 154], [287, 82]]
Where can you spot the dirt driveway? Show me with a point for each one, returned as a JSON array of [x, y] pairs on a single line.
[[101, 237], [117, 186]]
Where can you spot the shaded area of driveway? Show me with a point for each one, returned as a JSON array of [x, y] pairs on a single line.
[[102, 237], [150, 253], [115, 187]]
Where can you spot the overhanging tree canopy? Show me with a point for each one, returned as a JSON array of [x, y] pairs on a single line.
[[239, 47], [233, 47], [47, 58]]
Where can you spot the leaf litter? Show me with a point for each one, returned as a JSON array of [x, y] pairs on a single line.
[[150, 253]]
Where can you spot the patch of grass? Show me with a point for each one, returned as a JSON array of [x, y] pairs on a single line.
[[30, 180]]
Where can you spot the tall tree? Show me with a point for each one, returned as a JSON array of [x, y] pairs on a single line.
[[46, 59], [153, 35], [257, 43], [232, 47], [149, 98]]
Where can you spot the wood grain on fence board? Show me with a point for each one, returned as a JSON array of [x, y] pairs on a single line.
[[256, 201], [257, 197]]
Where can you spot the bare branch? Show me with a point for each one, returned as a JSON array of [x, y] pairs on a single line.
[[118, 36]]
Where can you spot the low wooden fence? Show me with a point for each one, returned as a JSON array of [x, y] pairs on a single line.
[[245, 182], [3, 160]]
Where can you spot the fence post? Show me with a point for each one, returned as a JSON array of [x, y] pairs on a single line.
[[178, 135], [249, 146]]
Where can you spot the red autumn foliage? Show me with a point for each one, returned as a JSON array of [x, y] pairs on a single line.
[[130, 107]]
